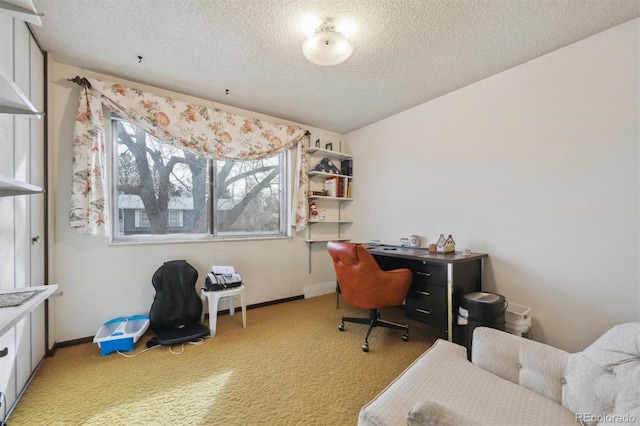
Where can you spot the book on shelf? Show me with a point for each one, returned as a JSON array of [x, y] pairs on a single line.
[[348, 195], [331, 186]]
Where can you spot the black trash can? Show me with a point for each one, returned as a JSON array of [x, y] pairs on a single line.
[[483, 310]]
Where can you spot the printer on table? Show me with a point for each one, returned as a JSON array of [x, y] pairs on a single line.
[[222, 278]]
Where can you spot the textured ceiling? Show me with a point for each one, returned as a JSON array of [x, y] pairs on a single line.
[[406, 52]]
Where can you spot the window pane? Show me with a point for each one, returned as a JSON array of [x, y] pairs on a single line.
[[156, 179], [249, 196], [144, 219], [163, 190]]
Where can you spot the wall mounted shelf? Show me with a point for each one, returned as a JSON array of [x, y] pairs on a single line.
[[324, 197], [21, 9], [10, 187], [314, 173], [327, 153], [333, 230], [13, 100], [10, 316], [324, 240]]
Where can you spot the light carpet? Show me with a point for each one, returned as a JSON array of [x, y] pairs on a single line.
[[290, 366]]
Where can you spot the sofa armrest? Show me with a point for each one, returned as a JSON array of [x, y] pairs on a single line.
[[533, 365]]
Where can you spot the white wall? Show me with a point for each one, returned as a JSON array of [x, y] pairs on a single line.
[[536, 166], [102, 281]]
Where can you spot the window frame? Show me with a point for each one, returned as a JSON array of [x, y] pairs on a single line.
[[285, 188]]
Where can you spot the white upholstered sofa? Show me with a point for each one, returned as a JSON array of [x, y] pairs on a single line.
[[515, 381]]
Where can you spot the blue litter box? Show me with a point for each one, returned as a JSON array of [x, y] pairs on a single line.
[[121, 334]]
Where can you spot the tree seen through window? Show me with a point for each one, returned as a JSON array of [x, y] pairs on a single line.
[[182, 193]]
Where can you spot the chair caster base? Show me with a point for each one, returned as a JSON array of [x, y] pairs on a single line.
[[341, 327], [365, 347], [405, 337]]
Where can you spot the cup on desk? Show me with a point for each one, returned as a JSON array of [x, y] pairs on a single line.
[[404, 242], [433, 248], [466, 252]]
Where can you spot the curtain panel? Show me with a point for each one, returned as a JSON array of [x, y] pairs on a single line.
[[204, 131], [89, 206]]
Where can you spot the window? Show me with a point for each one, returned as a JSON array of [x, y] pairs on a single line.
[[141, 219], [176, 218], [162, 190]]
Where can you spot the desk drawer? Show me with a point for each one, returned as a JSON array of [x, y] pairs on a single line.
[[429, 273], [429, 293], [426, 312]]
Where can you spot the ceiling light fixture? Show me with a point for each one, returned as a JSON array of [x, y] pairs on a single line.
[[327, 46]]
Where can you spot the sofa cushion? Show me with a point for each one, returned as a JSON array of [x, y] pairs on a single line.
[[603, 381], [444, 376], [429, 413], [533, 365]]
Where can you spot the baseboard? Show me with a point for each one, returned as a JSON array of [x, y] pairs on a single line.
[[237, 309], [52, 351], [74, 342], [319, 289], [273, 302]]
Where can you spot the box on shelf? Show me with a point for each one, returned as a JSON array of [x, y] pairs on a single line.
[[346, 167], [121, 334]]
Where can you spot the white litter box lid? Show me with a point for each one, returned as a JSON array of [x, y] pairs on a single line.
[[517, 312], [518, 309]]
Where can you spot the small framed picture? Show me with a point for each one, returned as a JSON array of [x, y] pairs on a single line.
[[329, 147]]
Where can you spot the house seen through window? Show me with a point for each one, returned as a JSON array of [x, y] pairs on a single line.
[[162, 190]]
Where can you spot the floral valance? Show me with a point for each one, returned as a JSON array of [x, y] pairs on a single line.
[[201, 130]]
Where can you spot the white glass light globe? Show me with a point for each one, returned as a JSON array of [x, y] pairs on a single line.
[[327, 48]]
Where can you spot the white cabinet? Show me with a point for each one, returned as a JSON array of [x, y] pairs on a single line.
[[22, 173], [329, 192]]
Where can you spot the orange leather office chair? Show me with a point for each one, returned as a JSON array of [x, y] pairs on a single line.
[[364, 285]]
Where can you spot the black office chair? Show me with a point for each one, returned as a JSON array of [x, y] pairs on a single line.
[[364, 285]]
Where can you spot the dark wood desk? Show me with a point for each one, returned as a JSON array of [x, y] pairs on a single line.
[[439, 282]]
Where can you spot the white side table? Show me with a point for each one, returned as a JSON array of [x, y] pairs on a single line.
[[215, 296]]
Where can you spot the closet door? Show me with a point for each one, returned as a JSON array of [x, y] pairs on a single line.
[[22, 213], [7, 224], [37, 240]]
